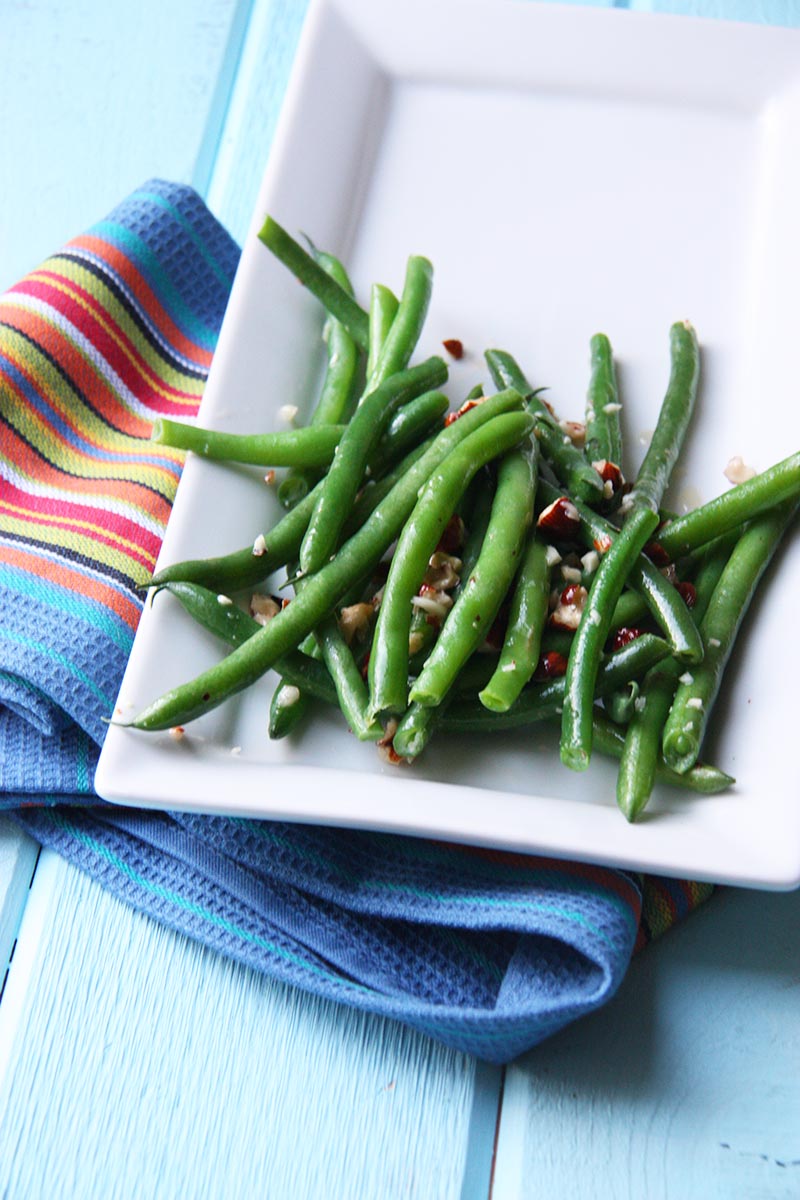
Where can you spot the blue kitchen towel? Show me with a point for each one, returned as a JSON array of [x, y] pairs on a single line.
[[487, 951]]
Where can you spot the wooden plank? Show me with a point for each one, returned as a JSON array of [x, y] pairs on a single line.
[[141, 1064], [97, 98], [253, 112], [760, 12], [18, 854], [687, 1085]]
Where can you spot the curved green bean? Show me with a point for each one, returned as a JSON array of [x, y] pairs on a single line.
[[688, 718], [341, 484], [333, 404], [403, 334], [388, 663], [313, 276], [235, 627], [544, 701], [355, 559], [287, 709], [382, 309], [603, 431], [568, 462], [469, 621], [642, 750], [416, 420], [640, 523], [730, 510], [313, 446], [519, 655]]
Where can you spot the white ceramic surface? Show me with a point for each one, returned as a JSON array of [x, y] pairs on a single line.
[[567, 170]]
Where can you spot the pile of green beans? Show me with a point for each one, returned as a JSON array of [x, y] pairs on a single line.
[[478, 571]]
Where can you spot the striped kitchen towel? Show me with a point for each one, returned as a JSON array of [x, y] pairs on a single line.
[[487, 951]]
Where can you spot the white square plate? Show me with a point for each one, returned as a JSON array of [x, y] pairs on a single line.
[[567, 171]]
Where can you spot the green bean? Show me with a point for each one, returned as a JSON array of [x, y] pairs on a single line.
[[641, 753], [388, 662], [606, 737], [543, 701], [420, 721], [701, 778], [235, 627], [669, 609], [686, 725], [406, 327], [333, 405], [287, 709], [476, 509], [629, 609], [351, 689], [519, 656], [591, 635], [413, 422], [640, 523], [673, 420], [469, 621], [341, 682], [478, 502], [621, 705], [568, 462], [663, 600], [313, 446], [313, 276], [357, 557], [415, 729], [382, 310], [251, 565], [336, 397], [341, 484], [731, 509], [603, 432]]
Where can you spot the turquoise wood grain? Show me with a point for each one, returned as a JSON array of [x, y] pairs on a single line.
[[149, 1067], [96, 98], [252, 115], [761, 12], [18, 854], [687, 1087]]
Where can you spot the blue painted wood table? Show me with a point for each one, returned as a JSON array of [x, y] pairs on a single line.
[[134, 1063]]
